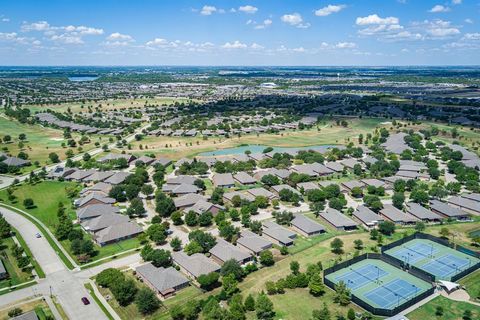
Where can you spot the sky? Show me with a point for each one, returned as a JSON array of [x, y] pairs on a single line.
[[232, 33]]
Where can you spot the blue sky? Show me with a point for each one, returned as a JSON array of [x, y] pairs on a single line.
[[263, 32]]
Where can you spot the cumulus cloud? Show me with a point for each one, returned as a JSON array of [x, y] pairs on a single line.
[[456, 1], [234, 45], [439, 8], [119, 39], [345, 45], [375, 19], [438, 29], [265, 24], [328, 10], [208, 10], [294, 19], [69, 34], [248, 9]]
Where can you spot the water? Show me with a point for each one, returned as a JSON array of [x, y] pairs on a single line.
[[87, 78], [259, 149]]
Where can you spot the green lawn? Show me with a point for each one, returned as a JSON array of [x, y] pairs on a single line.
[[46, 195], [452, 310], [16, 275], [472, 285]]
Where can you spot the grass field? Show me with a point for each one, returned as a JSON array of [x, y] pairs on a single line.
[[16, 275], [109, 104], [40, 142], [452, 310], [472, 285], [46, 195], [329, 133]]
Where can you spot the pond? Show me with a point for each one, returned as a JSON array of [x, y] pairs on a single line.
[[256, 148], [82, 78]]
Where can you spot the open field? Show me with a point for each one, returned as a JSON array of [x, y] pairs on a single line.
[[109, 104], [452, 310], [472, 283], [329, 133], [40, 142], [46, 195]]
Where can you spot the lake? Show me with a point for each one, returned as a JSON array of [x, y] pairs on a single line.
[[256, 148], [86, 78]]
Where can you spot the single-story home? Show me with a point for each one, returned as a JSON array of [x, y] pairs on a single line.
[[117, 232], [467, 205], [338, 220], [306, 226], [117, 178], [165, 282], [252, 242], [255, 192], [95, 210], [188, 200], [366, 216], [278, 234], [93, 198], [395, 215], [421, 212], [244, 178], [224, 251], [447, 211], [194, 265], [223, 180], [202, 206]]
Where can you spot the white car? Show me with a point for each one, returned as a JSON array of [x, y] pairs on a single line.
[[38, 235]]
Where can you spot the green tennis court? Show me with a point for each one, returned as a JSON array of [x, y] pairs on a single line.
[[379, 284], [441, 261]]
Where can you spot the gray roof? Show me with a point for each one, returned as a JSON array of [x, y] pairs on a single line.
[[472, 196], [396, 144], [253, 241], [335, 166], [338, 219], [31, 315], [281, 187], [103, 221], [278, 232], [98, 187], [163, 161], [196, 264], [116, 156], [96, 210], [16, 162], [244, 196], [202, 206], [307, 186], [306, 224], [421, 212], [465, 203], [244, 178], [350, 163], [188, 200], [94, 195], [99, 176], [392, 213], [366, 215], [80, 174], [162, 279], [261, 192], [227, 251], [412, 174], [118, 231], [373, 182], [117, 178], [352, 184], [223, 179], [181, 179], [446, 210], [146, 159]]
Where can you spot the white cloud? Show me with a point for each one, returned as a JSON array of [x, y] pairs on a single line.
[[5, 20], [256, 46], [438, 29], [157, 42], [345, 45], [208, 10], [265, 24], [118, 39], [375, 19], [294, 19], [456, 1], [468, 20], [471, 36], [439, 8], [234, 45], [300, 49], [248, 9], [35, 26], [66, 39], [328, 10]]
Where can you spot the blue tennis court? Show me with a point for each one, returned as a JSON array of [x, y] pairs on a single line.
[[446, 265], [357, 278], [415, 252], [393, 293]]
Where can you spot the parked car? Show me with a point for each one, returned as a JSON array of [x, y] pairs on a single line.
[[85, 301], [38, 235]]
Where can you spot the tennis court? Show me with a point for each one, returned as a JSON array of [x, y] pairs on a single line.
[[441, 261], [379, 284], [393, 293], [357, 278]]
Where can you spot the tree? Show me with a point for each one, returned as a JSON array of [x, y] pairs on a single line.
[[249, 303], [176, 312], [205, 219], [108, 277], [136, 208], [467, 314], [229, 284], [444, 233], [176, 244], [351, 314], [439, 311], [208, 281], [386, 227], [420, 226], [157, 233], [342, 294], [15, 312], [397, 200], [270, 180], [164, 205], [177, 218], [204, 239], [191, 218], [161, 258], [358, 244], [315, 285], [295, 267], [54, 158], [322, 314], [5, 228], [270, 287], [193, 247], [337, 246], [266, 258], [232, 267], [146, 301], [124, 292], [264, 307], [28, 203]]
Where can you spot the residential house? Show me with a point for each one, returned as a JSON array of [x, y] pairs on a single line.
[[421, 212], [395, 215], [252, 242], [223, 180], [338, 220], [224, 251], [278, 234], [366, 216], [306, 226], [195, 265], [244, 178], [165, 282], [117, 232], [447, 211]]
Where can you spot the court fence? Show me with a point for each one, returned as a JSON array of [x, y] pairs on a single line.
[[413, 270], [387, 259]]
